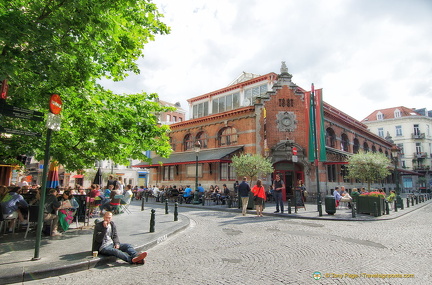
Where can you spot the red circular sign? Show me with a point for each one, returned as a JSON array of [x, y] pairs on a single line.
[[294, 150], [55, 104]]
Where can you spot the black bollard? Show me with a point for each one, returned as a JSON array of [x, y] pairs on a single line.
[[376, 209], [203, 199], [152, 221], [387, 208], [166, 206], [407, 202], [142, 204], [401, 204], [416, 199], [146, 196], [175, 211], [353, 209], [395, 206], [289, 206], [412, 201], [320, 208]]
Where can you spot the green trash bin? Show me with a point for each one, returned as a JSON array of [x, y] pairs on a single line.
[[330, 205]]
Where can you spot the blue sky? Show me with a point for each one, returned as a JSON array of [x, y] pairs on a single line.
[[365, 54]]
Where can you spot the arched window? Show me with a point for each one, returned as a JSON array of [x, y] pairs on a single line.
[[188, 142], [365, 147], [330, 138], [202, 138], [373, 148], [344, 143], [356, 146], [227, 136]]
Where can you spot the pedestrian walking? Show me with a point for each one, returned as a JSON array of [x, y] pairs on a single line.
[[244, 190], [259, 197]]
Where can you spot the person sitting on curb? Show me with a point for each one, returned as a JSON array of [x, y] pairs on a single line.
[[106, 242]]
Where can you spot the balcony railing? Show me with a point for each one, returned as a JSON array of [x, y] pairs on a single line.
[[420, 155], [421, 167], [418, 135]]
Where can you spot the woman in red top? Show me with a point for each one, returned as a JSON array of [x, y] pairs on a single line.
[[259, 197]]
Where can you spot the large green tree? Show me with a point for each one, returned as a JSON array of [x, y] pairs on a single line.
[[368, 167], [65, 47], [251, 165]]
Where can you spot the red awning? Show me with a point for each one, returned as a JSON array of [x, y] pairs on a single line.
[[78, 176]]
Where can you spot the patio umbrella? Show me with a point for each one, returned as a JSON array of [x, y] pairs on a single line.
[[53, 175], [98, 177]]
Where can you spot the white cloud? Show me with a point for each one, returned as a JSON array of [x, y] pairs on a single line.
[[366, 55]]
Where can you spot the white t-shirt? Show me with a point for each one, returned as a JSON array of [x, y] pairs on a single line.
[[22, 183]]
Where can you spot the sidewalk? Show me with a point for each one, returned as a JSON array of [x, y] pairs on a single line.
[[71, 252], [311, 212]]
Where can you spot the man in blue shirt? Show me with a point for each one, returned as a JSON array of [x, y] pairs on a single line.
[[337, 196], [10, 206], [187, 195]]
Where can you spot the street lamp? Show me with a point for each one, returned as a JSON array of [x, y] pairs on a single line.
[[395, 154], [197, 147]]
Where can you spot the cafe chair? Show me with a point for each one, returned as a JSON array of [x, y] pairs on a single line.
[[6, 221], [32, 219]]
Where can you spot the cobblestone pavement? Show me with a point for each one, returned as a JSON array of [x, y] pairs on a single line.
[[227, 248]]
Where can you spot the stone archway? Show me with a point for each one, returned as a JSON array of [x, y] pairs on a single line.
[[290, 171]]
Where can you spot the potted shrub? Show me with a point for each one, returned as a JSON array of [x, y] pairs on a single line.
[[366, 203]]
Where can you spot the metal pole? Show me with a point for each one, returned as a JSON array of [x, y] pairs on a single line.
[[152, 220], [175, 211], [42, 195], [315, 146]]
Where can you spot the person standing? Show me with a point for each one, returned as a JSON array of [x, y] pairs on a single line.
[[106, 242], [259, 196], [244, 190], [111, 181], [278, 186], [120, 184]]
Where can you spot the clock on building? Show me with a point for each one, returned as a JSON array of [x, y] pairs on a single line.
[[286, 121]]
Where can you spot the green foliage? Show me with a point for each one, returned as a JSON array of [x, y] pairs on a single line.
[[368, 167], [252, 166], [64, 47]]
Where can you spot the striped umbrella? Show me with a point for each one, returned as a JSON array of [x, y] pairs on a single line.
[[53, 175]]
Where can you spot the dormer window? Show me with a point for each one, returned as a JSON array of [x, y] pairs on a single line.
[[380, 116], [397, 113]]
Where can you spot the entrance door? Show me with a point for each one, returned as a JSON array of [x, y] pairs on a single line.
[[288, 178]]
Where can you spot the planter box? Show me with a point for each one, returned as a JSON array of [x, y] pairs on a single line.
[[365, 205]]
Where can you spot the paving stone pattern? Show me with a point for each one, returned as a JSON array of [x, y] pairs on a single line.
[[227, 248]]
